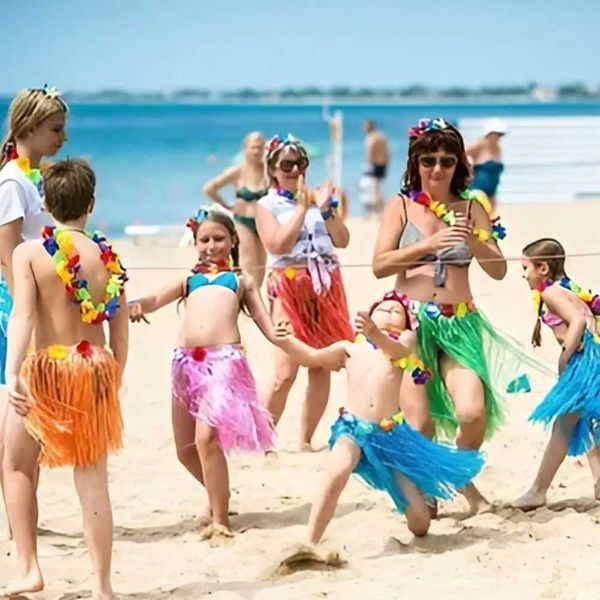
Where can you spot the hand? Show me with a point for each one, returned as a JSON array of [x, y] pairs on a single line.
[[237, 208], [323, 196], [283, 330], [334, 360], [303, 194], [18, 396], [136, 313], [365, 325], [448, 237]]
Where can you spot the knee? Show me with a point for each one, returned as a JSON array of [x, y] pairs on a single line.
[[186, 453], [473, 415], [419, 521], [284, 378], [206, 438]]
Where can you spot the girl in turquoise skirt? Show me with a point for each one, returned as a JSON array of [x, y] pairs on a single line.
[[572, 406]]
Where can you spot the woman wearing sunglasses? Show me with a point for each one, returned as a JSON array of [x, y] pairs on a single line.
[[300, 231], [428, 237]]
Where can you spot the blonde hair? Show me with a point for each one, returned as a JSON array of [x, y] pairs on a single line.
[[29, 109], [551, 252]]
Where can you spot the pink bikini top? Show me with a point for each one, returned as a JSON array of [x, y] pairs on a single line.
[[551, 319]]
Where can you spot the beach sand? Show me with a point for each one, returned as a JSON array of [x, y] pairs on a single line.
[[157, 506]]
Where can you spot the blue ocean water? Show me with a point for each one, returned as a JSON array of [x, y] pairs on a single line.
[[152, 160]]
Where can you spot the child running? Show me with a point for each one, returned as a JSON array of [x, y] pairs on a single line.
[[371, 437], [573, 404], [215, 409], [65, 391]]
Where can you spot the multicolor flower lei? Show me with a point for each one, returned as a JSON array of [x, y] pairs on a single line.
[[593, 301], [34, 175], [60, 352], [366, 427], [433, 310], [449, 216], [213, 268], [411, 364], [59, 245]]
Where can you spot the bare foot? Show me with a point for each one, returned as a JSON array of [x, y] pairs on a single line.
[[103, 595], [32, 582], [530, 500], [476, 500], [306, 447], [219, 535]]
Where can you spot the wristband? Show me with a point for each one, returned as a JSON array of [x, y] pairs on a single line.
[[327, 214]]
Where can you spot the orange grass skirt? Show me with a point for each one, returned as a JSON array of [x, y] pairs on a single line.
[[76, 415]]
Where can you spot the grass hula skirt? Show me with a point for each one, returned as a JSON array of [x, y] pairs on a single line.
[[463, 333], [217, 387], [393, 447], [6, 304], [76, 416], [314, 301], [576, 391]]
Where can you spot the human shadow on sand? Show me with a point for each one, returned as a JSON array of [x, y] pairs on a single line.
[[553, 510], [273, 519], [448, 542]]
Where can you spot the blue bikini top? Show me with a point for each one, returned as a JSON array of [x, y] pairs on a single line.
[[226, 279]]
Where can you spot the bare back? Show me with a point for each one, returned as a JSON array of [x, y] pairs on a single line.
[[58, 319], [377, 149]]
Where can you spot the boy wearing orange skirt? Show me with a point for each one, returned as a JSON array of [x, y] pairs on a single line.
[[64, 391]]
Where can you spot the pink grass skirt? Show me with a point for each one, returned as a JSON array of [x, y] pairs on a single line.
[[216, 385]]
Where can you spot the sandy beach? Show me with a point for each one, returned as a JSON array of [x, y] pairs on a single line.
[[158, 553]]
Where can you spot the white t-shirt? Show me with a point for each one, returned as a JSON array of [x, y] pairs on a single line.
[[21, 199], [313, 247], [313, 239]]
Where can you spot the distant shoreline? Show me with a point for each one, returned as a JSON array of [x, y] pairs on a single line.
[[314, 101]]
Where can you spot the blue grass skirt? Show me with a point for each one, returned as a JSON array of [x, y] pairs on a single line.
[[576, 391], [6, 305], [391, 447]]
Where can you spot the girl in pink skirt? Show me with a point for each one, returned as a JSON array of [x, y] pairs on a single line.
[[215, 407]]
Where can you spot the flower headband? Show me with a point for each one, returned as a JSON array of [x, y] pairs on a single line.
[[277, 143], [403, 299], [427, 125], [52, 93], [194, 222]]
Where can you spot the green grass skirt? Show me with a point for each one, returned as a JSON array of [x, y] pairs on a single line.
[[472, 342]]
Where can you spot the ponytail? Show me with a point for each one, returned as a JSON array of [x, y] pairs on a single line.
[[8, 150]]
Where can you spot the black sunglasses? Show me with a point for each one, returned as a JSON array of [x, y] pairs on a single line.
[[287, 166], [446, 162]]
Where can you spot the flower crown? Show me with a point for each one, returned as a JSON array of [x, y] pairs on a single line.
[[52, 93], [403, 299], [427, 125], [276, 143], [194, 222]]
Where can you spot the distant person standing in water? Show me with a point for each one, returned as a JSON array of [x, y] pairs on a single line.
[[486, 156], [378, 158], [250, 182]]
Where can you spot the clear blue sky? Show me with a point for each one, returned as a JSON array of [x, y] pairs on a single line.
[[227, 44]]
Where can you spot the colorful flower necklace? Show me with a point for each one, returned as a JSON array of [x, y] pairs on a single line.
[[59, 245], [440, 210], [593, 301], [34, 175], [411, 364], [213, 268]]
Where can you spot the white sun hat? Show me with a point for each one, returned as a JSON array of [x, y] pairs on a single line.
[[494, 125]]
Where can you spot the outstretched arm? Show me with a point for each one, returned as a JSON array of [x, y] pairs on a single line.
[[142, 306], [20, 324], [331, 358]]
